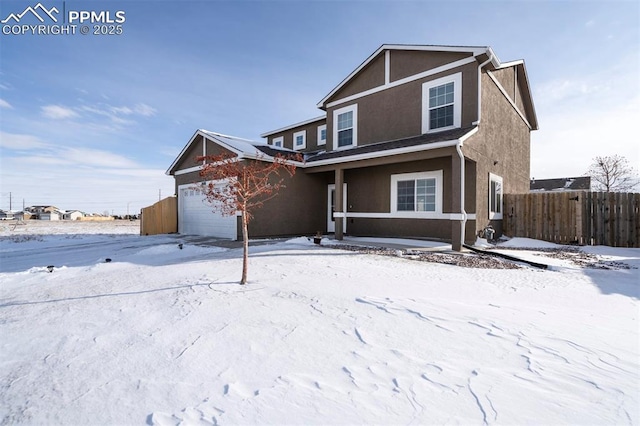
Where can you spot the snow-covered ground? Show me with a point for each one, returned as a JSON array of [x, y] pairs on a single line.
[[162, 335]]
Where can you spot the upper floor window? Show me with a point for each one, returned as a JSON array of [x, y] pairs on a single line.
[[416, 192], [322, 134], [495, 197], [300, 139], [345, 127], [442, 103], [278, 141]]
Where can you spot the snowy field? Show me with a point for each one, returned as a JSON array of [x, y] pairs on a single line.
[[163, 336]]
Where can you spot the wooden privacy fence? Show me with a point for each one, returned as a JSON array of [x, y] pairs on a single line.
[[585, 218], [160, 218]]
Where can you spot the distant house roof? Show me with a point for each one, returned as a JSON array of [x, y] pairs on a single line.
[[582, 183]]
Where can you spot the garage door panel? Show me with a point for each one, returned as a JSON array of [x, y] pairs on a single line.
[[198, 218]]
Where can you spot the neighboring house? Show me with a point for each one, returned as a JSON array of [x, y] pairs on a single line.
[[7, 215], [582, 183], [418, 141], [42, 209], [72, 215], [49, 216], [36, 211]]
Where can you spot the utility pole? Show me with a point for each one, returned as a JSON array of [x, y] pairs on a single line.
[[10, 202], [159, 194]]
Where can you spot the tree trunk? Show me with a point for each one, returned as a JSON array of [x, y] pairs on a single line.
[[245, 240]]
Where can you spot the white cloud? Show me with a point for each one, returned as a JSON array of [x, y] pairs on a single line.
[[5, 104], [20, 142], [58, 112], [145, 110], [139, 109], [122, 110], [567, 142], [97, 158], [582, 116]]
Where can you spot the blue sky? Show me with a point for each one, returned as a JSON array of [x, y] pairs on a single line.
[[92, 122]]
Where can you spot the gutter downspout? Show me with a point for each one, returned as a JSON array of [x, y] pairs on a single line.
[[463, 212], [480, 87], [463, 223]]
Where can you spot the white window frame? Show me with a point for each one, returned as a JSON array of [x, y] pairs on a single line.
[[354, 109], [303, 134], [496, 215], [320, 140], [279, 141], [436, 174], [456, 79]]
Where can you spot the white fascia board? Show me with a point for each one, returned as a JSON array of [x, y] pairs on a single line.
[[214, 134], [510, 64], [212, 138], [206, 134], [384, 153], [189, 170], [474, 50], [397, 151], [293, 126], [468, 135], [352, 74], [182, 152], [405, 80], [533, 107], [508, 98]]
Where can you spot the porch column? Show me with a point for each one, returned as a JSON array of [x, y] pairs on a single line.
[[456, 205], [339, 207]]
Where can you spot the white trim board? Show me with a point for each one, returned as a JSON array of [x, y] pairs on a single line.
[[411, 215], [293, 126], [506, 95], [474, 50], [405, 80]]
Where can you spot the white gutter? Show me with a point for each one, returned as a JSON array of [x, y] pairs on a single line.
[[385, 153], [491, 58]]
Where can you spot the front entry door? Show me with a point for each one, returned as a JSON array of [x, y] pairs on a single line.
[[331, 207]]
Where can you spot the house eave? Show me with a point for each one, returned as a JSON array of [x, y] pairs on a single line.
[[394, 151], [474, 50], [293, 126]]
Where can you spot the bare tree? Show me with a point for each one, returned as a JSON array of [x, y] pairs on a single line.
[[612, 174], [243, 186]]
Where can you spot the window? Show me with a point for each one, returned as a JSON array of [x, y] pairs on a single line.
[[495, 197], [278, 141], [322, 134], [300, 139], [441, 103], [420, 193], [345, 127]]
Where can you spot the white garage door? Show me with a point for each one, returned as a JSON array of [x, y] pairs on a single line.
[[196, 216]]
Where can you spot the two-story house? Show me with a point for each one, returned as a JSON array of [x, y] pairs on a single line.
[[418, 141]]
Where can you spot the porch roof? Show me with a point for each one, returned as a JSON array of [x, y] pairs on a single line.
[[415, 143]]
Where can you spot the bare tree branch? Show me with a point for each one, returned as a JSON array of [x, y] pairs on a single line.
[[612, 174], [235, 185]]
